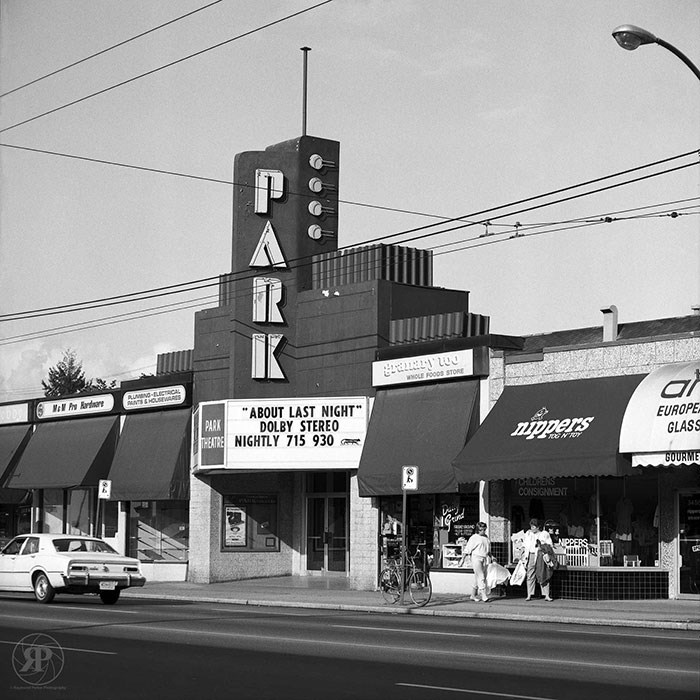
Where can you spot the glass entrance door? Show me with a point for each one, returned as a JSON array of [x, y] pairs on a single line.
[[326, 524], [689, 541]]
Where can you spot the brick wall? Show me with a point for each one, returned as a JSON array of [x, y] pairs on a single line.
[[364, 533]]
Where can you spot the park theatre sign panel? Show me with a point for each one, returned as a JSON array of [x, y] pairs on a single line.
[[280, 434]]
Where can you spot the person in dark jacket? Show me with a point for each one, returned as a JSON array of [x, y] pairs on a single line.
[[535, 538]]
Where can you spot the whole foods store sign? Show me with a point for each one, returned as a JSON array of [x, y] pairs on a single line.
[[424, 368], [281, 434]]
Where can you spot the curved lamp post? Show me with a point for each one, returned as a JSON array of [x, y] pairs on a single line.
[[630, 37]]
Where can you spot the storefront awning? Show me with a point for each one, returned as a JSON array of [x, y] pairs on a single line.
[[152, 458], [13, 440], [425, 426], [661, 426], [67, 454], [557, 429]]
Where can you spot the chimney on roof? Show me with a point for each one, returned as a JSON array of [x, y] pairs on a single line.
[[609, 323]]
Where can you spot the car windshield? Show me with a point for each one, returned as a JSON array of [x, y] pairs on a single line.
[[79, 544]]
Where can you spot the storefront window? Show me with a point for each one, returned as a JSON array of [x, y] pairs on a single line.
[[629, 519], [437, 524], [52, 512], [594, 521], [249, 523], [78, 521], [159, 530]]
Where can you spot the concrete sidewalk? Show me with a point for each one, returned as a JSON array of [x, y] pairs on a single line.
[[334, 594]]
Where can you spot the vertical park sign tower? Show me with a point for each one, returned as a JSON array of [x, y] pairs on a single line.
[[285, 211]]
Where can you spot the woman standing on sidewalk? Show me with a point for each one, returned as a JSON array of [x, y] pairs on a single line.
[[534, 539], [479, 548]]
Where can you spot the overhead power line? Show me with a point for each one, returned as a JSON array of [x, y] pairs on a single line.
[[608, 217], [109, 48], [167, 65], [208, 281], [201, 302]]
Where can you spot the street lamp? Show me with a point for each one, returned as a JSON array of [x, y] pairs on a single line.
[[630, 37]]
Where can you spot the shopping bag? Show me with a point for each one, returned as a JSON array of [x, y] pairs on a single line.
[[518, 576], [496, 574]]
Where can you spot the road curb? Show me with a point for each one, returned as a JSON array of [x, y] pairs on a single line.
[[685, 625]]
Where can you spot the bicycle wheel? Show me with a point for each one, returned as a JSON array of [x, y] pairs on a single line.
[[419, 588], [389, 585]]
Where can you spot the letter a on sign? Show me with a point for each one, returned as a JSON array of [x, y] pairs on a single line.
[[409, 478], [268, 252]]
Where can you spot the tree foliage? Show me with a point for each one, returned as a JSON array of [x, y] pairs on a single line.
[[68, 377]]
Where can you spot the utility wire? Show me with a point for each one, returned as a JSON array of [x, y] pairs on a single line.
[[442, 219], [109, 48], [548, 194], [160, 291], [167, 65], [203, 301]]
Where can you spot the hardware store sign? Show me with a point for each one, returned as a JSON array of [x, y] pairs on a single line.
[[80, 406], [318, 433]]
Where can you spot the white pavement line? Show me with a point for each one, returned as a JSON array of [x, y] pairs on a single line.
[[405, 631], [83, 651], [83, 608], [474, 692], [256, 611], [449, 652], [690, 638]]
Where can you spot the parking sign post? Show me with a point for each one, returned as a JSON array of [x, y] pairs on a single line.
[[104, 491], [409, 482]]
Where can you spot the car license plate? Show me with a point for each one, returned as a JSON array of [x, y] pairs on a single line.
[[108, 585]]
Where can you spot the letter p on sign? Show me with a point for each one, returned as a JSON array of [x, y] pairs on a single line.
[[409, 478], [104, 489]]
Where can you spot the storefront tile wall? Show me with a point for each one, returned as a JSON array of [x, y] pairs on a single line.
[[364, 526]]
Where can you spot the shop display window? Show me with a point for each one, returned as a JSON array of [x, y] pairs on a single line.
[[52, 511], [593, 521], [436, 524], [629, 520], [78, 512], [159, 531], [249, 523]]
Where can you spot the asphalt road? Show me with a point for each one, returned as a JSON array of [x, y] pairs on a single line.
[[143, 648]]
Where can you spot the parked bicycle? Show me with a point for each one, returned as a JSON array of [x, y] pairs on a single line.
[[413, 579]]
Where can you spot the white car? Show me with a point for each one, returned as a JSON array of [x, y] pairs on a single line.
[[49, 564]]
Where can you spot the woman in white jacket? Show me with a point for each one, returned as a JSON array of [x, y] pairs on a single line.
[[479, 548]]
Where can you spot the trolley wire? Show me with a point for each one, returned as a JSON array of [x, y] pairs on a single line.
[[208, 281], [200, 302], [109, 48]]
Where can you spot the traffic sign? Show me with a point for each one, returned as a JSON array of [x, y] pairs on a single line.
[[409, 478], [104, 489]]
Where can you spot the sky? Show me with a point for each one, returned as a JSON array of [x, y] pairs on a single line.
[[443, 109]]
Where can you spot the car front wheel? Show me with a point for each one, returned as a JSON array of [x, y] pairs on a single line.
[[44, 592], [109, 597]]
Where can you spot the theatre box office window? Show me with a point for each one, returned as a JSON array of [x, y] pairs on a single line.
[[249, 523]]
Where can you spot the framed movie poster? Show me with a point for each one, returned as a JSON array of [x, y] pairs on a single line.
[[250, 523], [235, 526]]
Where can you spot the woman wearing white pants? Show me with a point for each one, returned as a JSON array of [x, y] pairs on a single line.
[[479, 547], [535, 537]]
